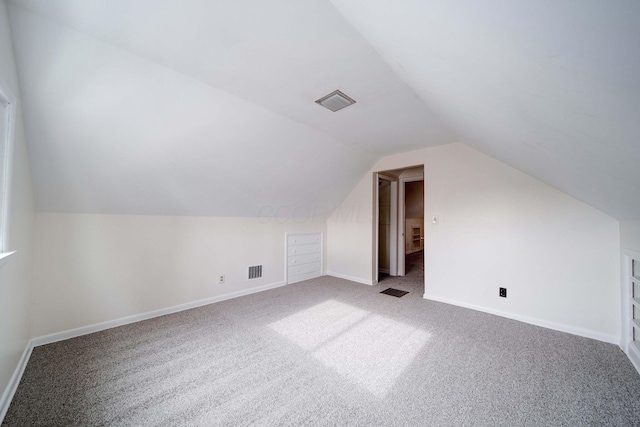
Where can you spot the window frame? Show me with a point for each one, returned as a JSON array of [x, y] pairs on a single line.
[[9, 101]]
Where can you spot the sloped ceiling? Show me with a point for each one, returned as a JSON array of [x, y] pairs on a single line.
[[550, 87], [204, 108]]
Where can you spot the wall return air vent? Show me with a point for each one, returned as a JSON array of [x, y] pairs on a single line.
[[335, 101], [255, 272]]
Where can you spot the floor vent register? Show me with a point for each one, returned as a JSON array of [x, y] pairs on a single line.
[[394, 292]]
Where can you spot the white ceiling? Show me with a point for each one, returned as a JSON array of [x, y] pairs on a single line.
[[206, 108], [551, 87]]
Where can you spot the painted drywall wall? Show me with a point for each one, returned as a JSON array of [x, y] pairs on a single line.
[[350, 234], [15, 274], [630, 235], [96, 268], [498, 227]]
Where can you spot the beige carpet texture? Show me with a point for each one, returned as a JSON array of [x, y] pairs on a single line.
[[328, 352]]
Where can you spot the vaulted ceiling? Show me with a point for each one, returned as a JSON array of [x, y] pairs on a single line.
[[549, 87], [207, 108]]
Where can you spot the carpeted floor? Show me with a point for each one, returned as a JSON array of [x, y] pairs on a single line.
[[328, 352], [412, 281]]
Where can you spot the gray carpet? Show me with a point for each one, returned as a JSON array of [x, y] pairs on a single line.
[[328, 352], [412, 281]]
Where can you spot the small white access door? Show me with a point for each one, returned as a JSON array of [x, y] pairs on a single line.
[[303, 255]]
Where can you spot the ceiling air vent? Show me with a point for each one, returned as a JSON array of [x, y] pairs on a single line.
[[335, 101]]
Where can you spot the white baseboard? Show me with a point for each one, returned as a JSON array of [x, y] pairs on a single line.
[[303, 277], [352, 278], [11, 388], [612, 339], [84, 330]]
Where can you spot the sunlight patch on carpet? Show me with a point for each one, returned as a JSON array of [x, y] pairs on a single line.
[[371, 350], [316, 325]]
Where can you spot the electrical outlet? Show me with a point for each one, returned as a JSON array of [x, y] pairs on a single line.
[[503, 292], [221, 280]]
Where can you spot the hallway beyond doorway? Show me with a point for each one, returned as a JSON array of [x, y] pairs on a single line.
[[412, 281]]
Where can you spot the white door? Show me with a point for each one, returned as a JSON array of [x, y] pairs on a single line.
[[387, 229]]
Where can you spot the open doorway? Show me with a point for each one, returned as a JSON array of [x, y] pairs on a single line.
[[400, 209]]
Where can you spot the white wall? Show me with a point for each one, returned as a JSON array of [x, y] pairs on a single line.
[[498, 227], [15, 274], [630, 235], [350, 231], [95, 268]]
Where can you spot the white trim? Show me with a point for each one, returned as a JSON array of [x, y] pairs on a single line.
[[11, 388], [4, 256], [394, 252], [626, 332], [612, 339], [303, 277], [84, 330], [12, 102], [634, 357], [376, 227], [352, 278], [631, 253]]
